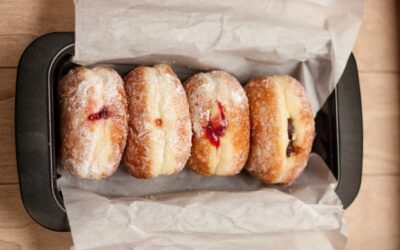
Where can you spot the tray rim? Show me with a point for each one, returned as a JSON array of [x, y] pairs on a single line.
[[54, 37]]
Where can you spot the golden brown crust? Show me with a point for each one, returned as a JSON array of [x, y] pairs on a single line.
[[273, 101], [159, 137], [204, 91], [198, 160], [135, 158], [84, 92]]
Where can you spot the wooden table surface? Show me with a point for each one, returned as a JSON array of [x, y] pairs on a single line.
[[374, 217]]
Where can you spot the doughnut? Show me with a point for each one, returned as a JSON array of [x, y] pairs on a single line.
[[94, 121], [219, 113], [159, 136], [282, 129]]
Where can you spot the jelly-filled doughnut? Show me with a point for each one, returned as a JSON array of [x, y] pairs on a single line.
[[219, 113], [159, 137], [282, 128], [94, 121]]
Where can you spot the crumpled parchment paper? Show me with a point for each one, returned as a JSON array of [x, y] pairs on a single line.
[[308, 39], [306, 215]]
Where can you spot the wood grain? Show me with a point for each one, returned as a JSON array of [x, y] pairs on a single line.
[[19, 231], [21, 21], [375, 215], [377, 46], [11, 47], [36, 17], [380, 93], [8, 167], [7, 86]]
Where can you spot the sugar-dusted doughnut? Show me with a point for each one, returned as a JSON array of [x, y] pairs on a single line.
[[159, 137], [220, 119], [94, 121], [282, 128]]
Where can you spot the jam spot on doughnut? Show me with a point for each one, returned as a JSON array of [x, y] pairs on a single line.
[[216, 126], [102, 114], [158, 122], [291, 148]]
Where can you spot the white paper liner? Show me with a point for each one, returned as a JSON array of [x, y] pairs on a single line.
[[304, 216], [308, 39], [311, 40]]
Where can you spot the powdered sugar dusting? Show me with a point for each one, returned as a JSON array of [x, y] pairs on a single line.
[[238, 97], [205, 91], [274, 100], [92, 149], [162, 114]]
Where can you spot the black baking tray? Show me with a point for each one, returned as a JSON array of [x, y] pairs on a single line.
[[339, 138]]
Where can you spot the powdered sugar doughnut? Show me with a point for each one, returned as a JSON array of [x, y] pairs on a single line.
[[220, 120], [93, 121], [282, 128], [159, 137]]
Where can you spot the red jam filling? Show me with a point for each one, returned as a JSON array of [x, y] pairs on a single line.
[[102, 114], [158, 122], [216, 126]]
